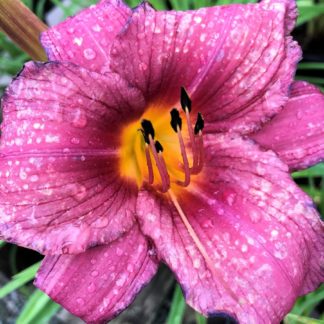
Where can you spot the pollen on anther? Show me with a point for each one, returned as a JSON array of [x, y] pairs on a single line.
[[158, 146], [176, 120], [200, 123], [185, 100], [147, 130]]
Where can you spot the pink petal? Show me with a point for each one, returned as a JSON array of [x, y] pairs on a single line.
[[59, 185], [255, 242], [236, 61], [296, 134], [56, 106], [86, 38], [100, 283]]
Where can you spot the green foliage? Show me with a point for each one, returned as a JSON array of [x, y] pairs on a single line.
[[178, 307], [38, 309], [296, 319], [19, 280], [200, 319]]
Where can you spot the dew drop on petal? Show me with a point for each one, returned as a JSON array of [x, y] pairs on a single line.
[[89, 53], [34, 178], [299, 114], [130, 268], [80, 119], [80, 301], [75, 140], [119, 251], [91, 287], [94, 273], [142, 66]]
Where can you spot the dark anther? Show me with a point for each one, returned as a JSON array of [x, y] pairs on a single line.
[[158, 146], [147, 129], [199, 124], [185, 100], [175, 119]]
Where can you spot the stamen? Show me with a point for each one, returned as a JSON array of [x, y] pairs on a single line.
[[192, 142], [186, 106], [149, 164], [176, 120], [185, 100], [200, 145], [176, 124], [199, 245], [158, 146], [159, 149], [200, 123], [147, 130], [160, 164]]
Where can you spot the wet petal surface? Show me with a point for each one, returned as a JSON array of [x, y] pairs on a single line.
[[254, 241], [297, 132], [86, 38], [98, 284], [60, 189], [235, 61]]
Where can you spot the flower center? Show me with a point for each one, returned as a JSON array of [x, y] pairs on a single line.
[[161, 149]]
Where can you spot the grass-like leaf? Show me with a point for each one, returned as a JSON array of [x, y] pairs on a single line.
[[306, 304], [296, 319], [311, 66], [178, 307], [316, 80], [200, 319], [38, 309], [308, 12], [315, 171], [19, 280]]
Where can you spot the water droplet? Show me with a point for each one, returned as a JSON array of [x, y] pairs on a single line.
[[141, 35], [94, 273], [208, 223], [142, 66], [119, 252], [130, 268], [34, 178], [22, 175], [80, 119], [91, 287], [244, 248], [80, 301], [89, 53], [100, 222], [299, 114], [121, 281], [78, 191], [96, 28], [75, 140]]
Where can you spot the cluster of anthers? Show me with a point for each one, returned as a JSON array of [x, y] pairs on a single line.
[[155, 148]]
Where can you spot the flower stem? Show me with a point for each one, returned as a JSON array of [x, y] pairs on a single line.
[[23, 27]]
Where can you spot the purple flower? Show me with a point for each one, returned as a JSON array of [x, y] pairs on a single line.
[[166, 137]]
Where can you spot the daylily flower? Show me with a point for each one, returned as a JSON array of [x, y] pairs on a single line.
[[108, 169]]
